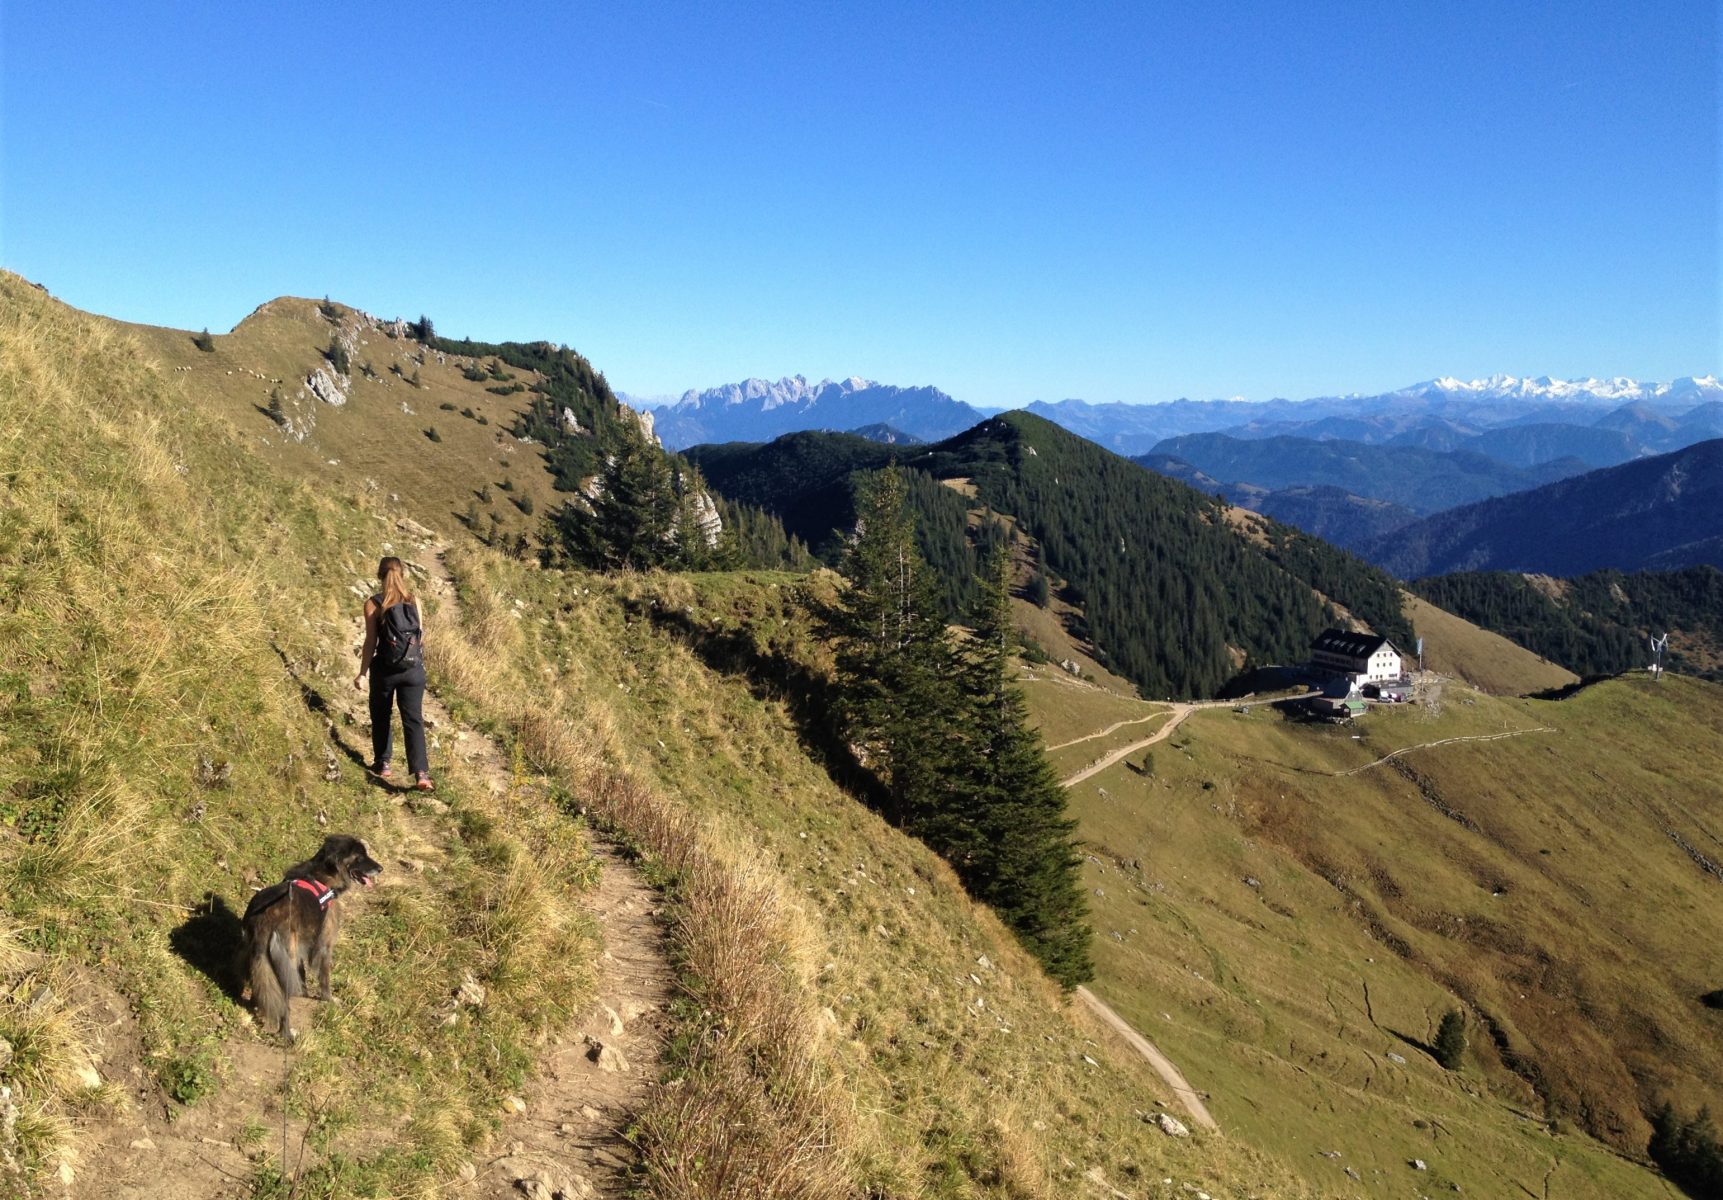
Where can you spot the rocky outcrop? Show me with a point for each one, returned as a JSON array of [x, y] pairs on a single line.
[[571, 425], [328, 386], [644, 420], [706, 519]]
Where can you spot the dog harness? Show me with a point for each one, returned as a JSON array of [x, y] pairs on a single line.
[[322, 893]]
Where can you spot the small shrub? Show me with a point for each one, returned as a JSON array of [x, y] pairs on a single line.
[[415, 379], [484, 420], [431, 432], [203, 341], [330, 312], [337, 356], [1450, 1045], [277, 407], [1712, 999], [446, 406], [525, 504], [507, 485], [186, 1079], [485, 494], [507, 389], [473, 373], [1038, 593], [469, 414], [367, 370]]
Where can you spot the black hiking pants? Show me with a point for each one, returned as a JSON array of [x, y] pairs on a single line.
[[407, 690]]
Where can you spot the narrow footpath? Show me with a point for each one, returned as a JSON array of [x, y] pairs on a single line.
[[1164, 1066]]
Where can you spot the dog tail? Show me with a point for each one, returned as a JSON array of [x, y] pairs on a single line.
[[274, 980]]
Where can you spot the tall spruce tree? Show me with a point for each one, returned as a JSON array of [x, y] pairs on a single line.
[[897, 690], [1015, 848], [634, 515]]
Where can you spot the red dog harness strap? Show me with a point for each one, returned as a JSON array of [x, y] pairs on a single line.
[[321, 893]]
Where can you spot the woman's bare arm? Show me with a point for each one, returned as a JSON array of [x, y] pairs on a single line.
[[370, 646]]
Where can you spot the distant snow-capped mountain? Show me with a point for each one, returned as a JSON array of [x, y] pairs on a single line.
[[1686, 390], [761, 409]]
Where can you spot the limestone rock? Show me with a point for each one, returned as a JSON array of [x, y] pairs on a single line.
[[1168, 1124], [471, 992], [607, 1056], [328, 387], [644, 419], [569, 423]]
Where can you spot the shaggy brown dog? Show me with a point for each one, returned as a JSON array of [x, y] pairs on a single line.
[[290, 928]]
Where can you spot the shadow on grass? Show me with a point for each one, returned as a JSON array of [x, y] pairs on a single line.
[[210, 941], [808, 696], [1416, 1044], [317, 703]]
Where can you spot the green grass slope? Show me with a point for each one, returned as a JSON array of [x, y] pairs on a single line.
[[172, 624], [1289, 916]]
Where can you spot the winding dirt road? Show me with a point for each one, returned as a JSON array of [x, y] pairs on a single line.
[[1179, 713], [1164, 1066]]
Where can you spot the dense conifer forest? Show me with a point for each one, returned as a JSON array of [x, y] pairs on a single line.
[[1596, 624]]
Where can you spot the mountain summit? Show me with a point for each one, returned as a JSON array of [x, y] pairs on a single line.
[[759, 410]]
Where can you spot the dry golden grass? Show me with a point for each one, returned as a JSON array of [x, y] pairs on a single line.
[[170, 635], [830, 1039], [753, 1112], [1488, 661]]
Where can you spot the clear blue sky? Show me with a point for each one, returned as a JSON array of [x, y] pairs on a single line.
[[1115, 201]]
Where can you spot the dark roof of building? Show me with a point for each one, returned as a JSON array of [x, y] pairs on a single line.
[[1353, 645]]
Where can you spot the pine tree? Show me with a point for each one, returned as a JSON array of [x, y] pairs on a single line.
[[1016, 843], [277, 408], [633, 518], [895, 677], [1450, 1045]]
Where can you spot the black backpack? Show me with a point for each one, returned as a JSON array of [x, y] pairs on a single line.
[[400, 640]]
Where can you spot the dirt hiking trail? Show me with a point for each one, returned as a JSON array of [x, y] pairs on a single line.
[[1163, 1065], [1189, 1096], [564, 1136], [1179, 713]]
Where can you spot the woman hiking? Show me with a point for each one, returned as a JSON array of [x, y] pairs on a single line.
[[394, 654]]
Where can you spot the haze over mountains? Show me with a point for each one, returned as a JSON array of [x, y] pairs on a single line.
[[1517, 421]]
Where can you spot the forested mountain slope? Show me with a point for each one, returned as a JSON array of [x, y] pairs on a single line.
[[1659, 513], [1422, 480], [1599, 623], [1176, 597]]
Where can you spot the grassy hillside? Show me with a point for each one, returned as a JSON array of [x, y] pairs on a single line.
[[173, 631], [376, 443], [1485, 659], [1285, 914], [177, 628]]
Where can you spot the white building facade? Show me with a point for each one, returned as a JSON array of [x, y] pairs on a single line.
[[1365, 657]]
